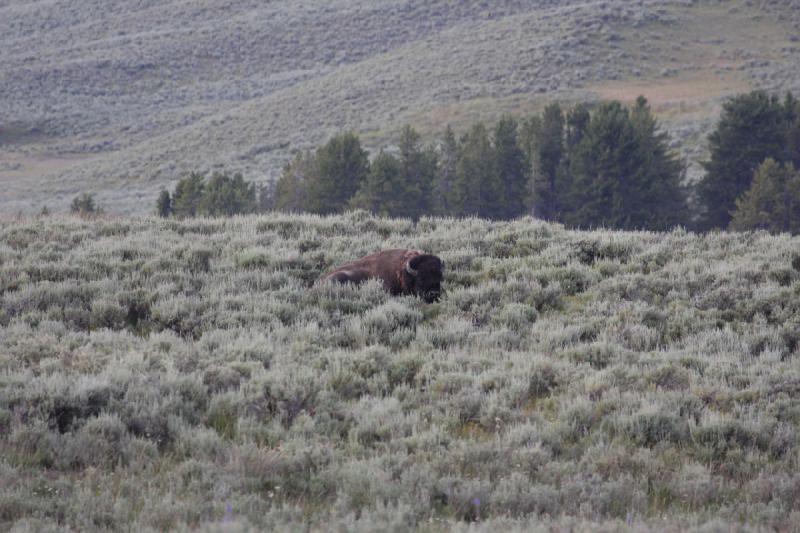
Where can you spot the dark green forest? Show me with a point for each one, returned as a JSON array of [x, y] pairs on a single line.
[[607, 165]]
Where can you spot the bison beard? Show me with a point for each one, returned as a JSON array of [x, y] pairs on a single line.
[[402, 272]]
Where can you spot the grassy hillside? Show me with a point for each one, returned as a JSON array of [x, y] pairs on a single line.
[[160, 374], [122, 97]]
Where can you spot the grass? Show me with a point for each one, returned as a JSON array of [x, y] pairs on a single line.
[[162, 374]]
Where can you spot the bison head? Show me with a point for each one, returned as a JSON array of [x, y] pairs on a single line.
[[425, 274]]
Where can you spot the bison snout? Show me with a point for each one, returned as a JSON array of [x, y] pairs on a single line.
[[431, 296]]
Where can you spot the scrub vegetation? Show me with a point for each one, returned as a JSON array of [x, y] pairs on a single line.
[[159, 374]]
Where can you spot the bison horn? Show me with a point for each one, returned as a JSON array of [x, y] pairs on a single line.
[[411, 270]]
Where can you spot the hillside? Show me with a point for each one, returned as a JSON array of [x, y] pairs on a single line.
[[121, 97], [160, 374]]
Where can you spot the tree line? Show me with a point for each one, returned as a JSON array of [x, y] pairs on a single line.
[[605, 166]]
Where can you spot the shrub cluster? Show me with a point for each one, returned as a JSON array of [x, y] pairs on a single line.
[[171, 374]]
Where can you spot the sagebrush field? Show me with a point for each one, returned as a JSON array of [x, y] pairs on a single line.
[[161, 374]]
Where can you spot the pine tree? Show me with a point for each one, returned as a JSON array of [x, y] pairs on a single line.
[[752, 127], [267, 193], [772, 202], [187, 195], [291, 189], [418, 171], [84, 205], [547, 158], [577, 121], [380, 192], [660, 198], [623, 175], [164, 204], [598, 167], [224, 195], [446, 169], [341, 167], [511, 168], [476, 191], [791, 107]]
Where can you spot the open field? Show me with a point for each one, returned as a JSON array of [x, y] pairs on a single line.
[[122, 98], [162, 374]]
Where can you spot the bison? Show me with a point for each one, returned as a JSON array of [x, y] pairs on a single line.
[[402, 272]]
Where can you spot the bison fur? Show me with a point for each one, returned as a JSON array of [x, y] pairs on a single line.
[[401, 271]]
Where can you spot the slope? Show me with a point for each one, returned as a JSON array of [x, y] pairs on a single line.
[[124, 98]]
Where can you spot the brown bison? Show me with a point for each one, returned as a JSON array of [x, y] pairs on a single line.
[[402, 272]]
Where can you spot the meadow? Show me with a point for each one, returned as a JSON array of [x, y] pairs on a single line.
[[159, 374]]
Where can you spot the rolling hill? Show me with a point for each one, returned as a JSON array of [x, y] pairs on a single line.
[[121, 98]]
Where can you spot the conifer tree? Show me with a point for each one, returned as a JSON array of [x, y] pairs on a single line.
[[418, 171], [772, 202], [511, 168], [599, 165], [752, 127], [576, 123], [623, 175], [84, 204], [187, 195], [446, 169], [341, 166], [224, 195], [547, 158], [791, 108], [164, 204], [380, 192], [291, 189], [477, 191], [660, 197], [266, 196]]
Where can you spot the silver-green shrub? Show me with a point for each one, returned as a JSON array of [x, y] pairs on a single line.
[[161, 374]]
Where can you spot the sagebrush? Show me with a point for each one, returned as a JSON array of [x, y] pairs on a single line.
[[159, 374]]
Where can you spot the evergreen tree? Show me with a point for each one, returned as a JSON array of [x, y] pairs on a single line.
[[291, 189], [660, 198], [772, 202], [266, 197], [84, 204], [599, 164], [477, 191], [227, 196], [446, 169], [547, 157], [187, 195], [341, 167], [529, 132], [418, 170], [381, 191], [623, 175], [751, 128], [511, 168], [791, 108], [164, 204], [577, 121]]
